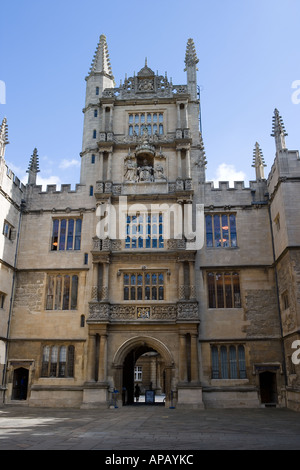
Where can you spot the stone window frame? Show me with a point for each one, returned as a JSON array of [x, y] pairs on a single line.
[[228, 361], [227, 232], [136, 291], [58, 361], [61, 238], [140, 231], [8, 230], [139, 120], [285, 300], [218, 292], [2, 300], [62, 293]]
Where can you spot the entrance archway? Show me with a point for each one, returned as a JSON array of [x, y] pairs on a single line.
[[20, 384], [268, 387], [126, 358]]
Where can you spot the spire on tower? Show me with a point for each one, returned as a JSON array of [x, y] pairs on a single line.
[[33, 167], [191, 61], [3, 137], [258, 162], [101, 61], [278, 131], [191, 58]]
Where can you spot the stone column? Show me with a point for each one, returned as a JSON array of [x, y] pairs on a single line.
[[192, 280], [153, 372], [188, 163], [94, 293], [109, 166], [103, 120], [91, 358], [178, 116], [194, 358], [111, 119], [101, 166], [105, 281], [182, 358], [186, 115], [102, 371], [181, 286], [179, 163]]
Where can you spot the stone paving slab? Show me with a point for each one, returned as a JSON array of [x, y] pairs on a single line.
[[148, 428]]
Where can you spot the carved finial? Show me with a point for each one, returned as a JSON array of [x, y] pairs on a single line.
[[33, 167], [258, 162], [191, 58], [3, 137], [278, 131]]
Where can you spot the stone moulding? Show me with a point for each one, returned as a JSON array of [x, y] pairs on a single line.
[[185, 310]]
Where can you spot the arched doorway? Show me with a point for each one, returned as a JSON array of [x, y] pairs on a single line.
[[268, 387], [20, 384], [125, 360]]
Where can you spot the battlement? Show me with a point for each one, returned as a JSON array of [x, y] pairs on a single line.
[[11, 184], [236, 195]]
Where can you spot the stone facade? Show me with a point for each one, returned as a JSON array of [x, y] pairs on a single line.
[[113, 276]]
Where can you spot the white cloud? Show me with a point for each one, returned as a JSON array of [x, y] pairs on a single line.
[[68, 163], [226, 172], [51, 180]]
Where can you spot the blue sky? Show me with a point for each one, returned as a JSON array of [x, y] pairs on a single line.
[[248, 60]]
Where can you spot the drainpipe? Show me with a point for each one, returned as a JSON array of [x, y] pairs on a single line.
[[4, 385], [278, 298]]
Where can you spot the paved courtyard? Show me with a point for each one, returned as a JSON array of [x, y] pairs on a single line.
[[145, 427]]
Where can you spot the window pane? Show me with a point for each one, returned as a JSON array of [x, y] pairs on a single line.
[[139, 293], [126, 279], [236, 290], [70, 234], [211, 290], [140, 279], [233, 230], [74, 292], [160, 293], [53, 365], [54, 242], [242, 362], [57, 304], [147, 293], [224, 368], [62, 361], [50, 293], [225, 231], [154, 293], [132, 279], [132, 293], [232, 362], [66, 296], [228, 290], [220, 292], [45, 362], [78, 234], [215, 362], [209, 235], [218, 241], [71, 355], [62, 240], [126, 293]]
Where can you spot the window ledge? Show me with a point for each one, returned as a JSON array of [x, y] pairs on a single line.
[[229, 382]]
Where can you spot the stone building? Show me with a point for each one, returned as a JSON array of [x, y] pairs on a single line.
[[146, 272]]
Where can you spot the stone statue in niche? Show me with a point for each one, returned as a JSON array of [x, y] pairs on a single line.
[[159, 172], [145, 172], [130, 170]]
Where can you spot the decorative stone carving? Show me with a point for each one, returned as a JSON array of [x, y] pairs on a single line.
[[94, 293], [108, 187], [159, 172], [188, 184], [122, 312], [187, 310], [116, 245], [98, 311], [179, 185], [99, 187], [145, 172], [164, 312]]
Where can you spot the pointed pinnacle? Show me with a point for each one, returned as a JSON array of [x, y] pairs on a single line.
[[278, 125], [190, 54], [258, 158], [101, 61], [4, 132], [34, 162]]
